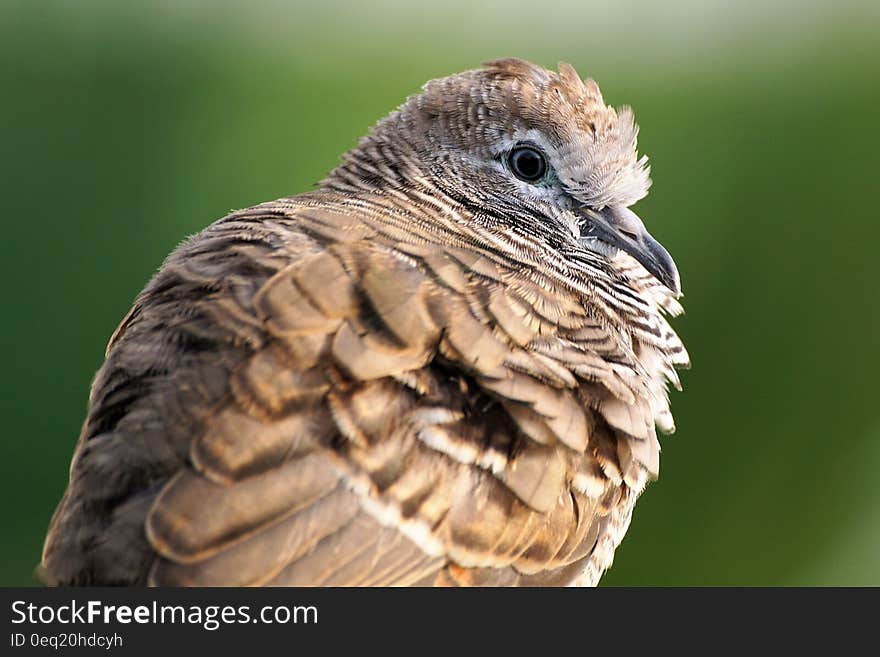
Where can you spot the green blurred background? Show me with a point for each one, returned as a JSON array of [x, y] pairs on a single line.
[[126, 126]]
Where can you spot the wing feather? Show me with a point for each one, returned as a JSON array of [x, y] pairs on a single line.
[[365, 408]]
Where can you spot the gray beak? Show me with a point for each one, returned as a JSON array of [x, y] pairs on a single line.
[[622, 228]]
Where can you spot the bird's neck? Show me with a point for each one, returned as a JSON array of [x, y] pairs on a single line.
[[386, 159]]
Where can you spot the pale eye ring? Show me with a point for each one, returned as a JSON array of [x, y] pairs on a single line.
[[527, 163]]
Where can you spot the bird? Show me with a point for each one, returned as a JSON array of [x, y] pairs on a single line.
[[446, 364]]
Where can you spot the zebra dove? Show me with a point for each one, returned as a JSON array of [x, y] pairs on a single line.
[[446, 365]]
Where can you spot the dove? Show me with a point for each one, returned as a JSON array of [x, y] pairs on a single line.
[[445, 365]]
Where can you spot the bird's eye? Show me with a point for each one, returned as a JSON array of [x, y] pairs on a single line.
[[527, 163]]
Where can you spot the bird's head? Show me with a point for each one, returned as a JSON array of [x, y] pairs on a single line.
[[528, 150]]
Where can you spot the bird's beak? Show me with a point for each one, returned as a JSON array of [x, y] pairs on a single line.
[[622, 228]]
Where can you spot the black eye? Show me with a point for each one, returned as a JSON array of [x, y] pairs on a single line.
[[527, 163]]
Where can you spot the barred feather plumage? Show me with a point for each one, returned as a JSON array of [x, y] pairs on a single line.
[[418, 373]]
